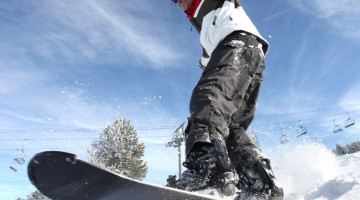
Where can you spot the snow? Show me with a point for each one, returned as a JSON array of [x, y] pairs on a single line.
[[312, 172]]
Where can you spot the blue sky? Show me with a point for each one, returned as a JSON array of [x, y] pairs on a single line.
[[66, 66]]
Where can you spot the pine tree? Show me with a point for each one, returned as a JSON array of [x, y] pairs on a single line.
[[340, 150], [119, 151], [36, 195]]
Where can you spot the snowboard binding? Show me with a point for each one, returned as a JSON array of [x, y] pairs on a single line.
[[259, 180], [208, 166]]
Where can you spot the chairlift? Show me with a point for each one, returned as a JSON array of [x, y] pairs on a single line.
[[301, 130], [349, 122], [20, 159], [13, 168], [336, 128], [283, 138], [172, 143]]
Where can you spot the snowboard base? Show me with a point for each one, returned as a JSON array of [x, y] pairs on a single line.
[[62, 176]]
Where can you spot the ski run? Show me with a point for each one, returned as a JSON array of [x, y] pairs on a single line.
[[312, 172]]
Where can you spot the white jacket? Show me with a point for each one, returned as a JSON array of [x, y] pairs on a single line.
[[216, 19]]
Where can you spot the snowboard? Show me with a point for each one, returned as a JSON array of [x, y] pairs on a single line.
[[61, 175]]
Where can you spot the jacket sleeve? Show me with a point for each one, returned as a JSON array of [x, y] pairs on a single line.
[[204, 60]]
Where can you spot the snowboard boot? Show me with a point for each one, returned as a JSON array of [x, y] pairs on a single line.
[[259, 180], [208, 166], [256, 178]]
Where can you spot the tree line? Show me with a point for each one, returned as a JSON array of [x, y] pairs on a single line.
[[347, 149]]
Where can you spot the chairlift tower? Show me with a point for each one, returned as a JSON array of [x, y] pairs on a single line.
[[178, 140]]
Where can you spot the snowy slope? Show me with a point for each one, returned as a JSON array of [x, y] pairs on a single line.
[[310, 171]]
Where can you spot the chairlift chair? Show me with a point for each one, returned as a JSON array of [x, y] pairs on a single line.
[[13, 168], [284, 138], [301, 130], [336, 128], [20, 159], [171, 143], [349, 122]]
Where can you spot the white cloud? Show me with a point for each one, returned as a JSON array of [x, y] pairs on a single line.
[[23, 117], [15, 80], [91, 29], [16, 74], [351, 97], [350, 102], [137, 35], [343, 16]]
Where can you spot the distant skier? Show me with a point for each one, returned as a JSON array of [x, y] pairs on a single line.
[[219, 154]]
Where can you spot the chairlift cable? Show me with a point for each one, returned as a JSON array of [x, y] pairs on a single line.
[[149, 128], [37, 149], [295, 121], [171, 127], [65, 148], [307, 111], [274, 128], [80, 129], [59, 139]]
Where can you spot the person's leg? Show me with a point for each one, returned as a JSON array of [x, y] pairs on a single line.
[[253, 168], [236, 63], [218, 94], [211, 107], [246, 113]]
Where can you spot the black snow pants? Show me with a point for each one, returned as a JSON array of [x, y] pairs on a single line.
[[226, 95]]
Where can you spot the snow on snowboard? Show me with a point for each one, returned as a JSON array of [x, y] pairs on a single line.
[[60, 175]]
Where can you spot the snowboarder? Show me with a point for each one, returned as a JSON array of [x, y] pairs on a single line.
[[219, 154]]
